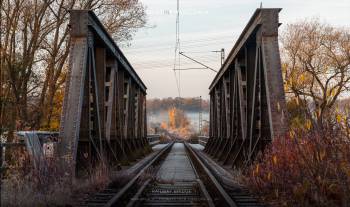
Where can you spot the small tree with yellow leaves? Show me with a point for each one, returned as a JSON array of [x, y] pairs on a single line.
[[316, 64]]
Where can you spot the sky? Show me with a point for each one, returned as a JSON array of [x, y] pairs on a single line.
[[206, 26]]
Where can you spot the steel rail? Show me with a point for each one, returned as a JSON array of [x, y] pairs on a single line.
[[202, 186], [228, 200], [125, 189], [136, 197]]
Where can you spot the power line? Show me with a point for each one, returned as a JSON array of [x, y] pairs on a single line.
[[166, 46], [157, 43], [211, 60], [167, 64], [164, 58], [205, 66]]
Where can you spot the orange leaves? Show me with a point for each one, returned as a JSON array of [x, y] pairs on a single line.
[[257, 169], [171, 114], [178, 122], [274, 159], [163, 125]]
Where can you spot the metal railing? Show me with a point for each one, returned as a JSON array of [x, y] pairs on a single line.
[[38, 144], [153, 139], [202, 140]]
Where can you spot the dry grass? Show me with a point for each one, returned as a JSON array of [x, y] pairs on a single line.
[[309, 167], [24, 186]]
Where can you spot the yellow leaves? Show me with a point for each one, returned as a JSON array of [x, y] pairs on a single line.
[[333, 93], [339, 118], [302, 78], [292, 134], [308, 124], [55, 124]]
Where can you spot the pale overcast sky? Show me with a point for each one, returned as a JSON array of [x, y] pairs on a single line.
[[207, 25]]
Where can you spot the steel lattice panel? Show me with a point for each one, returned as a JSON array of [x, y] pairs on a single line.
[[104, 112], [247, 100]]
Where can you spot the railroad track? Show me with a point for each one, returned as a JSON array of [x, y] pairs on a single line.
[[228, 195], [176, 176]]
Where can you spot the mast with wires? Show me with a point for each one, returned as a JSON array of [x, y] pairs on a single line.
[[177, 49], [222, 55]]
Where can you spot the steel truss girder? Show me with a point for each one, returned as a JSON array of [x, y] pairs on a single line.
[[247, 100], [104, 114]]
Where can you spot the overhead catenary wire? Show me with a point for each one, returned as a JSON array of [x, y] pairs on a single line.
[[188, 42], [137, 67], [167, 64], [184, 46], [205, 66], [144, 54], [165, 60]]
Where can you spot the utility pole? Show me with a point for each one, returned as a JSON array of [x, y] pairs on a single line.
[[177, 50], [222, 55], [200, 116]]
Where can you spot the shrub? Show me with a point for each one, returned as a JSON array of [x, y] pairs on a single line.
[[25, 186], [307, 167]]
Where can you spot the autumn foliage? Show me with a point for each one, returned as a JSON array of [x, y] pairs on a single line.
[[178, 123], [308, 167]]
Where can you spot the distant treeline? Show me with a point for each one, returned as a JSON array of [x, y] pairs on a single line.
[[186, 104]]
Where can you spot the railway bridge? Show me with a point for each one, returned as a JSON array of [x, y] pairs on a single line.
[[104, 120]]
